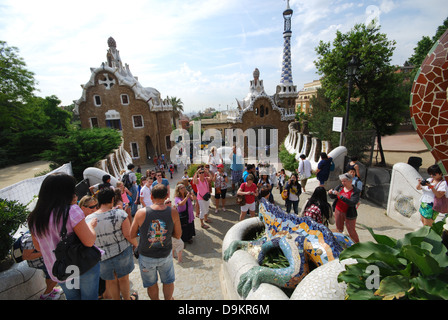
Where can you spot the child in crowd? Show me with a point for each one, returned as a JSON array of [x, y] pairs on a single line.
[[178, 244]]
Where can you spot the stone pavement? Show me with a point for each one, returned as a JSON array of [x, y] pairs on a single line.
[[198, 276]]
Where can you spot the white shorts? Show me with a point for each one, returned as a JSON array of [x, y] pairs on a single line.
[[248, 206], [178, 244], [203, 208]]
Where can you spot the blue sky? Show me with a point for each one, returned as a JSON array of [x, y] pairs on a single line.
[[203, 52]]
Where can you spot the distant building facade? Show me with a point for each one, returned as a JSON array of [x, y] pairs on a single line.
[[259, 110], [303, 100], [114, 98]]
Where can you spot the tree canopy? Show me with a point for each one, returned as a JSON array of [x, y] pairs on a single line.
[[378, 97]]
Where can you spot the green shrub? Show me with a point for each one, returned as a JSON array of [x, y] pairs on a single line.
[[12, 215], [83, 148], [414, 267], [288, 160]]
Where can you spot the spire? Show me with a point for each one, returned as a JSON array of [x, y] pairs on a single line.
[[286, 63]]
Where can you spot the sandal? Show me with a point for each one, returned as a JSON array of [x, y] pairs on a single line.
[[205, 226], [135, 296]]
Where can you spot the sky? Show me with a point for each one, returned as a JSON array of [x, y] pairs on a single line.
[[201, 51]]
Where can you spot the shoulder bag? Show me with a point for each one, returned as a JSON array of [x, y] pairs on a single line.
[[183, 215], [440, 204], [71, 252], [241, 199]]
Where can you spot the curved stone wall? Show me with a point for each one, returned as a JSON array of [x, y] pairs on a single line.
[[404, 198]]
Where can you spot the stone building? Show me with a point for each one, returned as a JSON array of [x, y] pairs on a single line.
[[114, 98], [303, 100], [259, 110]]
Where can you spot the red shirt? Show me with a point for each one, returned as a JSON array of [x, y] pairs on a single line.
[[253, 188], [341, 205]]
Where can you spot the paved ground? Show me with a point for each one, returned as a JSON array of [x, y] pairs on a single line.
[[197, 277]]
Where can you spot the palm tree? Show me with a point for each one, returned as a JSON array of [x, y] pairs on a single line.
[[178, 107]]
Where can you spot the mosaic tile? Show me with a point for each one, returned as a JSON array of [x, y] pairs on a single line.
[[429, 105]]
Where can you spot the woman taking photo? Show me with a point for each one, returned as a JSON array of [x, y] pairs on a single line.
[[434, 187], [294, 190], [184, 203], [203, 186], [347, 197], [249, 190], [56, 196]]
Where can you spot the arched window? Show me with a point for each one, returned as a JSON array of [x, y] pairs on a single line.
[[261, 111]]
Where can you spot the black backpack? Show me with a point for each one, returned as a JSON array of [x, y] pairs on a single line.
[[17, 250], [126, 181]]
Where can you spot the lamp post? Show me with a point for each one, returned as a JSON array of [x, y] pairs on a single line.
[[351, 71]]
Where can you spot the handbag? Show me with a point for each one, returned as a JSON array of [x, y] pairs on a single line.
[[241, 200], [71, 252], [183, 215], [440, 204], [206, 196], [285, 194]]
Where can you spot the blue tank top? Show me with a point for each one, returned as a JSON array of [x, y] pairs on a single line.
[[155, 233]]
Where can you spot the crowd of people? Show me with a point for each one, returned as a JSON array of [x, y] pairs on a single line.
[[146, 222]]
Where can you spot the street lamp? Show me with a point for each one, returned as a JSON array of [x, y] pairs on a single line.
[[351, 71]]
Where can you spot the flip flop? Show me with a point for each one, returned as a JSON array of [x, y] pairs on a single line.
[[205, 226], [135, 295]]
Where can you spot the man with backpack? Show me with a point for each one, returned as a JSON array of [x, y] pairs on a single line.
[[129, 180]]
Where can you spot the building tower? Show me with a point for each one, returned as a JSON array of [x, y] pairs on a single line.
[[286, 90]]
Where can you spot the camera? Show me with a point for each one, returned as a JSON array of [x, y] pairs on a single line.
[[424, 183]]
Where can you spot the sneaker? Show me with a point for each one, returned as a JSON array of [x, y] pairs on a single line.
[[53, 295]]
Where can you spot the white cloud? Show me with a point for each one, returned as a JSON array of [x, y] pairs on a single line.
[[202, 51]]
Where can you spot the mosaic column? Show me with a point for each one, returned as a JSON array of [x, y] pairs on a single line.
[[429, 105], [286, 64]]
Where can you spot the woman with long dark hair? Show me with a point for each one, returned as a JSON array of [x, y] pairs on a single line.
[[56, 196], [318, 207], [294, 190]]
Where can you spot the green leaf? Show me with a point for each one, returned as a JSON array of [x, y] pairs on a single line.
[[435, 287], [372, 252], [382, 239], [394, 287], [422, 260]]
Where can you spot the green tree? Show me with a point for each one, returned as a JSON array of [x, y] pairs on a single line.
[[378, 97], [17, 85], [178, 107], [83, 148]]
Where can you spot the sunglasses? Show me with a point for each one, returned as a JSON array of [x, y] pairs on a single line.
[[201, 172], [91, 207]]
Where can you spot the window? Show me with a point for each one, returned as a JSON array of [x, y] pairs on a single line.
[[138, 121], [94, 123], [97, 100], [114, 124], [168, 142], [124, 99], [261, 111], [135, 150]]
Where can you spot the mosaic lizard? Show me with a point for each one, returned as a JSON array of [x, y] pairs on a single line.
[[301, 240]]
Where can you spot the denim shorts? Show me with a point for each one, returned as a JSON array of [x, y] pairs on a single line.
[[151, 267], [121, 265]]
